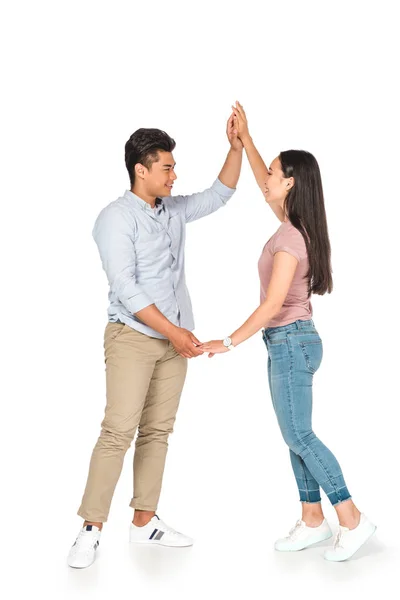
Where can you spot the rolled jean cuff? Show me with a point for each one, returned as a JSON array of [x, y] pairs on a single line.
[[343, 497], [309, 496]]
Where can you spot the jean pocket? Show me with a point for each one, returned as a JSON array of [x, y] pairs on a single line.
[[312, 351]]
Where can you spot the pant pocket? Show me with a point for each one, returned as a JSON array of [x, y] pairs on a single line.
[[113, 331], [312, 352]]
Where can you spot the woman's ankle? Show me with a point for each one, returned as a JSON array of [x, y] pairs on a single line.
[[312, 514], [351, 520], [348, 514]]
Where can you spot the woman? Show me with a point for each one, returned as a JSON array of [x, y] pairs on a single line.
[[295, 263]]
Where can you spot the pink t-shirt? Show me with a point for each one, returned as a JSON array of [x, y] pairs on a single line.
[[296, 305]]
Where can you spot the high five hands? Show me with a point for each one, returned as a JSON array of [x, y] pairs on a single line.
[[240, 124], [232, 133]]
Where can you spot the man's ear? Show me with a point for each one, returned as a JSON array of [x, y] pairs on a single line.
[[139, 170]]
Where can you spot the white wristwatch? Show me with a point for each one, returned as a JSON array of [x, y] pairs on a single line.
[[227, 342]]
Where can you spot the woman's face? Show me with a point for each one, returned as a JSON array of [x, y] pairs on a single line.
[[276, 185]]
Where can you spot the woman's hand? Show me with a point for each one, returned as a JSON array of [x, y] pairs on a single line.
[[232, 134], [213, 347], [240, 122]]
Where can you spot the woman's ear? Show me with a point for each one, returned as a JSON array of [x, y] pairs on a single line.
[[289, 184]]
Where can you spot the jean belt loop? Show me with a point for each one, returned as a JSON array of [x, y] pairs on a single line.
[[297, 324]]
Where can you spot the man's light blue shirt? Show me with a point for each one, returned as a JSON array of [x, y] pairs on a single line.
[[142, 252]]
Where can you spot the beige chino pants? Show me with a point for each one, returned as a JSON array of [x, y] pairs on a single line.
[[144, 381]]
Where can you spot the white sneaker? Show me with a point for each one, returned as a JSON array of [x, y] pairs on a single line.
[[348, 541], [83, 552], [157, 532], [301, 536]]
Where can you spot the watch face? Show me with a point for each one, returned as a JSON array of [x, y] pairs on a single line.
[[227, 342]]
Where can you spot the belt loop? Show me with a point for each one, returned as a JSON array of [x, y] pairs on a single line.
[[297, 324]]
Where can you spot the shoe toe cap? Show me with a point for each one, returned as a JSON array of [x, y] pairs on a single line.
[[283, 545], [184, 540], [334, 555], [80, 560]]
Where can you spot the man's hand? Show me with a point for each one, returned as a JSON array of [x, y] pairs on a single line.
[[240, 123], [185, 343], [214, 347], [232, 133]]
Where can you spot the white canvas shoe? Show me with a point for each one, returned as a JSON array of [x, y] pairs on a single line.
[[157, 532], [301, 536], [348, 541], [83, 552]]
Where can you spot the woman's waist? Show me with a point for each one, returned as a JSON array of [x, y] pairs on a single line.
[[299, 326]]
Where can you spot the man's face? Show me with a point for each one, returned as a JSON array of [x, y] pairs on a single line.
[[159, 179]]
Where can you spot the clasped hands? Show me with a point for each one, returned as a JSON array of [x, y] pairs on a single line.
[[187, 344]]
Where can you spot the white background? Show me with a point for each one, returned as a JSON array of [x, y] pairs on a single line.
[[78, 78]]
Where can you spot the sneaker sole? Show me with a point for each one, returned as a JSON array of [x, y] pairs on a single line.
[[302, 546], [81, 566], [371, 533], [159, 543]]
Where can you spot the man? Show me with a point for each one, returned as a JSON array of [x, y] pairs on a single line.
[[148, 338]]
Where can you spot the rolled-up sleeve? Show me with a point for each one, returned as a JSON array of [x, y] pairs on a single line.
[[115, 240], [201, 204]]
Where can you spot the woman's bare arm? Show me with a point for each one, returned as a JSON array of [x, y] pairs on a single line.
[[258, 166], [283, 270]]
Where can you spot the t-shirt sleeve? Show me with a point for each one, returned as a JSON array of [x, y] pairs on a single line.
[[291, 241]]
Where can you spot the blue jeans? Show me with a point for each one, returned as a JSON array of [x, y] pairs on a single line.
[[294, 355]]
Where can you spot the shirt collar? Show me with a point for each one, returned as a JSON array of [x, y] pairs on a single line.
[[142, 203]]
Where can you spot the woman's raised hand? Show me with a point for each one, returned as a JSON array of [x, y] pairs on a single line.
[[240, 121]]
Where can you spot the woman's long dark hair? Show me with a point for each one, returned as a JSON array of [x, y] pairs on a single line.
[[305, 208]]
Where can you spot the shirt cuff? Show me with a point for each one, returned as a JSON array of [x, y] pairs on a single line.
[[222, 189], [136, 303]]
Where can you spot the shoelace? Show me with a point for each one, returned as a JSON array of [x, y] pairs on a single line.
[[164, 527], [295, 530], [338, 539], [86, 541]]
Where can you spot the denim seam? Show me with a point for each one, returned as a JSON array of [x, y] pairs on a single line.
[[300, 481], [335, 489], [290, 400], [307, 359], [270, 386], [305, 480], [290, 394], [344, 500], [343, 487]]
